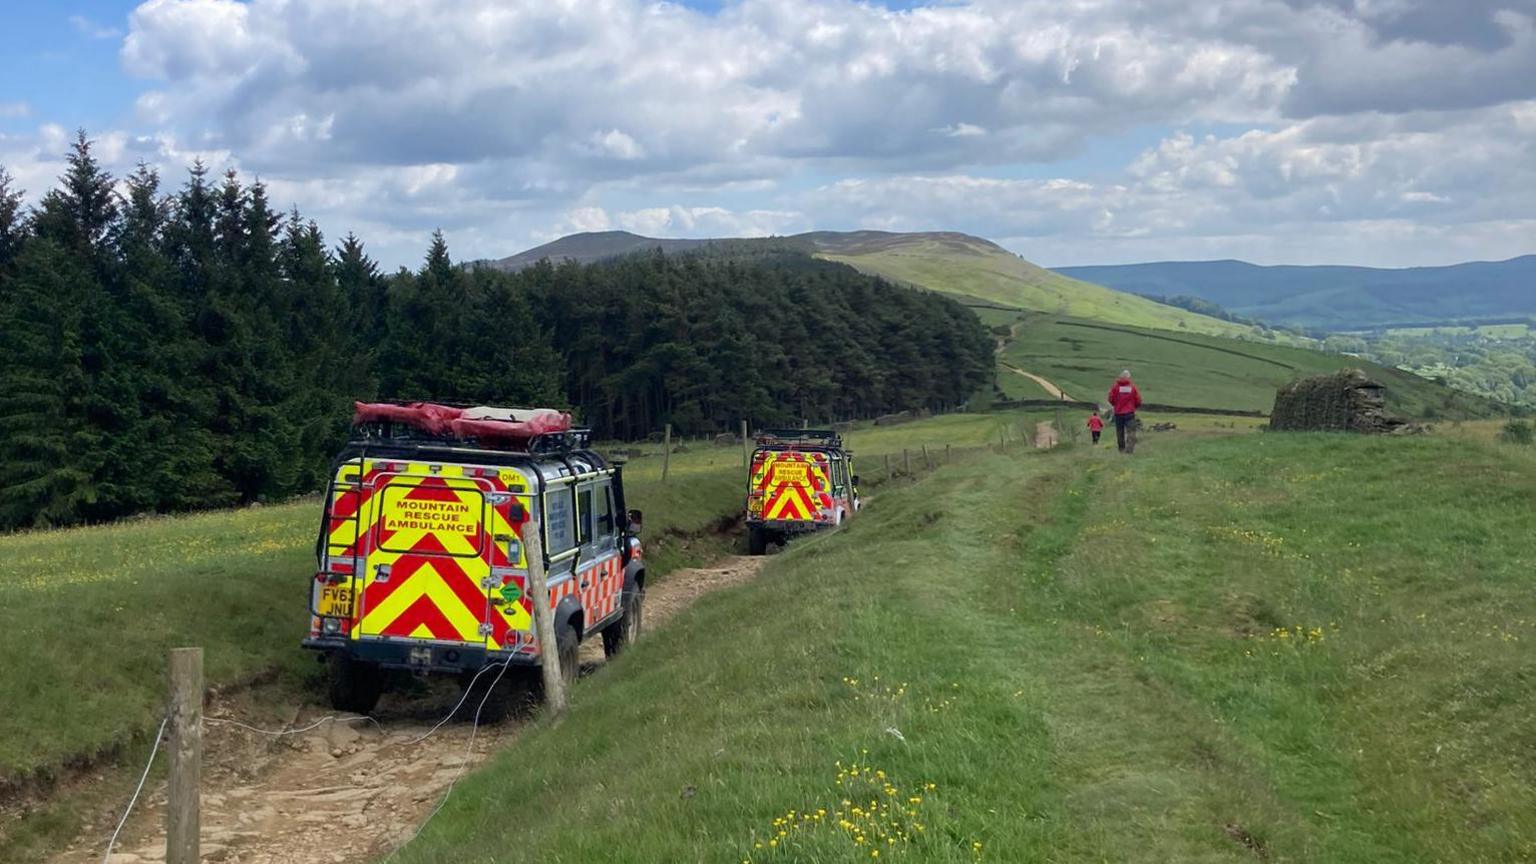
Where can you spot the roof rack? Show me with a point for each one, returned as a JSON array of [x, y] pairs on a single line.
[[548, 443], [801, 437]]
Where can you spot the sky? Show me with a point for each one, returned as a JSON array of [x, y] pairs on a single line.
[[1377, 132]]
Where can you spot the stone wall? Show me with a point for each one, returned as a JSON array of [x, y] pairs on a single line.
[[1346, 401]]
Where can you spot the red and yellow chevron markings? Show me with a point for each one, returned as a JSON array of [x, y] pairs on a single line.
[[792, 484]]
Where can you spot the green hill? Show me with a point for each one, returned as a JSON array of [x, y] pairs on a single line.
[[1197, 371], [982, 271], [977, 271]]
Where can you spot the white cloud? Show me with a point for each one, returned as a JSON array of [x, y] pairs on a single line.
[[15, 109], [92, 30], [1380, 189], [507, 122]]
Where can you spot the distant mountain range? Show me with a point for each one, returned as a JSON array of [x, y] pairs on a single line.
[[1337, 298], [972, 269]]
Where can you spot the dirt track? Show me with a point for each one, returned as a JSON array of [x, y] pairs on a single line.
[[1050, 388], [347, 792]]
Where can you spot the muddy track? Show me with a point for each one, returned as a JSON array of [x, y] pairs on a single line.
[[350, 790]]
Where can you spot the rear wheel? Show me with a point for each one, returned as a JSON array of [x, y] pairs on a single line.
[[567, 644], [354, 686], [626, 630], [757, 540], [570, 661]]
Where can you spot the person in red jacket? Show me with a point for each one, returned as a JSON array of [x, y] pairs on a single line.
[[1124, 398], [1095, 426]]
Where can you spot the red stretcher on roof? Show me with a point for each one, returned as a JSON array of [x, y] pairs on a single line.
[[484, 422]]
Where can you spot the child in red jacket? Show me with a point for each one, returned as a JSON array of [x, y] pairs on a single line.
[[1125, 399], [1095, 426]]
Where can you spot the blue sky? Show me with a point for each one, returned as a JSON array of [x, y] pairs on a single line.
[[62, 69], [1278, 131]]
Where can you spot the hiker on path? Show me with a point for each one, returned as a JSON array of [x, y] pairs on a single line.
[[1095, 426], [1124, 398]]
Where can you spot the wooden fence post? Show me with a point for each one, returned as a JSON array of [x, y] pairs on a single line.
[[906, 461], [666, 452], [888, 474], [927, 459], [946, 454], [182, 821], [555, 697]]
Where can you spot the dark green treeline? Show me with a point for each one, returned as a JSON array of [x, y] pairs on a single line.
[[166, 350]]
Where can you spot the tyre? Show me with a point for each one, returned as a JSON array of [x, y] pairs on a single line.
[[757, 540], [570, 662], [354, 686], [567, 643], [626, 630]]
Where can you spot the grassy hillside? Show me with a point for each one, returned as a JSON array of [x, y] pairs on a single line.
[[973, 268], [1191, 370], [1233, 650]]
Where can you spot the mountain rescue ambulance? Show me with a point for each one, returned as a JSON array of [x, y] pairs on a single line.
[[424, 548], [800, 480]]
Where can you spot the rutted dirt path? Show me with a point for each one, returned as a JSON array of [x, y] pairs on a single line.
[[1050, 388], [347, 792], [1046, 435]]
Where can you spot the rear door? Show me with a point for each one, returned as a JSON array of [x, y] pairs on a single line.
[[426, 572], [788, 485]]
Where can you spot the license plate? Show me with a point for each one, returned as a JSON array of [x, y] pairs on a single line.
[[335, 601]]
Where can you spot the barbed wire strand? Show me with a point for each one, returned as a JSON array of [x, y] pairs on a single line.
[[153, 750]]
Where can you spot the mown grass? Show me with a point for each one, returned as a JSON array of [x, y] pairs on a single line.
[[1239, 648], [1197, 371]]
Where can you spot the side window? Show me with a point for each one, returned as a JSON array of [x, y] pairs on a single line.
[[604, 511], [559, 522], [584, 512]]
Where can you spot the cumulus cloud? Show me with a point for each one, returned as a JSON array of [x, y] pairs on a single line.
[[506, 122], [1376, 187]]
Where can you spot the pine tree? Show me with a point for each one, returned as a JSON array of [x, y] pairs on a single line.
[[50, 452], [171, 453], [78, 215], [13, 224]]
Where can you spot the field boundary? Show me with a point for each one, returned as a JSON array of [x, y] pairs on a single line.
[[1158, 335]]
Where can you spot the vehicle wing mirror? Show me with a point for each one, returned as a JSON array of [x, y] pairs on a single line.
[[635, 518], [855, 479]]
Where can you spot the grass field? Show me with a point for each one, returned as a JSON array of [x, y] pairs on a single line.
[[1197, 371], [94, 610], [975, 269], [1279, 648]]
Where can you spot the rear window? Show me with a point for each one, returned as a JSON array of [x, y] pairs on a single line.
[[406, 515]]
